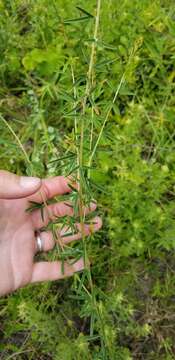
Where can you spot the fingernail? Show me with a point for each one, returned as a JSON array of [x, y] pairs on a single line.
[[93, 205], [98, 223], [79, 265], [29, 182]]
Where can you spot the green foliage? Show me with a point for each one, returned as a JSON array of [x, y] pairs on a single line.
[[45, 61], [124, 308]]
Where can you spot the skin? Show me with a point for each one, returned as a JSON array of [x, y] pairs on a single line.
[[18, 232]]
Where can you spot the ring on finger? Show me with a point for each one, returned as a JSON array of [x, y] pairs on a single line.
[[39, 242]]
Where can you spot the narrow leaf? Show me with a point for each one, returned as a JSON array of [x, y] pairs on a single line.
[[84, 11], [69, 21]]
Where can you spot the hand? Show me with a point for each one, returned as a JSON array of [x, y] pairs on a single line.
[[18, 228]]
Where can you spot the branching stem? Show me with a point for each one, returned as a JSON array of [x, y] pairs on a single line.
[[87, 92]]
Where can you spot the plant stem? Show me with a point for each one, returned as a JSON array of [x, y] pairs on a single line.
[[122, 80], [16, 138], [87, 91], [106, 119]]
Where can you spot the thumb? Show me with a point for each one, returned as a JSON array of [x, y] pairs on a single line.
[[15, 187]]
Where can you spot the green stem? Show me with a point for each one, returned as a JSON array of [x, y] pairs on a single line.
[[87, 91], [16, 138]]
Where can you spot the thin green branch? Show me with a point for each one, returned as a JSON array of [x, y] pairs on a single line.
[[87, 91], [16, 138], [106, 118], [122, 80]]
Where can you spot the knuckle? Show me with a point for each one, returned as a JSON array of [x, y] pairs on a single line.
[[46, 191]]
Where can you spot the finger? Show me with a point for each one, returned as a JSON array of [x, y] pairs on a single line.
[[48, 271], [47, 241], [15, 187], [88, 229], [51, 212], [51, 187]]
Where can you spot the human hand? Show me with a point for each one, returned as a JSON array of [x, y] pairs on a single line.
[[18, 244]]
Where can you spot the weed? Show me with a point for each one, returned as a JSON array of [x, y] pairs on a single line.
[[87, 90]]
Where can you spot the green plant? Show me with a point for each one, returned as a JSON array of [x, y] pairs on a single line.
[[88, 91]]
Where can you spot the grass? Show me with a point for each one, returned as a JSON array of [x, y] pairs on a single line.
[[88, 90]]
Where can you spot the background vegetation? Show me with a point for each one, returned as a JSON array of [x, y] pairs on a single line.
[[125, 307]]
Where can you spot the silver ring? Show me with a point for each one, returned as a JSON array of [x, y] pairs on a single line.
[[39, 242]]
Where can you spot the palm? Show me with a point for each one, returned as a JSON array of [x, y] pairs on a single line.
[[18, 242], [17, 232]]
